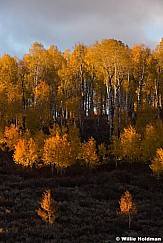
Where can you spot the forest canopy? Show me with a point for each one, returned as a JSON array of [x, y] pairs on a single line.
[[107, 91]]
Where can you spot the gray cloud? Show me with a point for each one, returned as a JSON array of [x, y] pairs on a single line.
[[66, 22]]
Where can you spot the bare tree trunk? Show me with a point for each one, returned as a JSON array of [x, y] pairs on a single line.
[[140, 95]]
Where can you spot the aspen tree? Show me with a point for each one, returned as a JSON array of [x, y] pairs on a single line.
[[58, 151], [158, 86], [140, 56], [130, 144], [157, 163], [88, 152], [12, 135], [49, 209], [127, 206], [25, 153], [150, 143]]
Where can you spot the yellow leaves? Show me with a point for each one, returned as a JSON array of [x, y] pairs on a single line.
[[150, 142], [130, 142], [10, 91], [135, 147], [20, 153], [157, 163], [42, 92], [26, 153], [127, 206], [8, 70], [11, 136], [140, 53], [14, 101], [88, 152], [58, 151], [48, 210], [159, 54]]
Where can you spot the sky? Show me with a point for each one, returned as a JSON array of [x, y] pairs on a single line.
[[65, 23]]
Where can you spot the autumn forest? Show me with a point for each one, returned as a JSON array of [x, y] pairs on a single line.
[[95, 114]]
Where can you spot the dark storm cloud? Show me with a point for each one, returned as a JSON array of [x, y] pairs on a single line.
[[66, 22]]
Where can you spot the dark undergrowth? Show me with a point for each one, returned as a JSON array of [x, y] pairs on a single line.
[[87, 201]]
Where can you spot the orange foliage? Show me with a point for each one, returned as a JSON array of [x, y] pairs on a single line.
[[25, 152], [12, 134], [127, 206], [49, 210], [130, 144], [157, 163], [58, 151], [88, 152]]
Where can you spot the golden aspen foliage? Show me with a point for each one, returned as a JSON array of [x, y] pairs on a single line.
[[8, 70], [42, 103], [89, 153], [58, 151], [54, 130], [3, 107], [150, 143], [10, 88], [11, 136], [26, 153], [127, 206], [14, 101], [130, 144], [48, 210], [42, 92], [159, 54], [157, 163]]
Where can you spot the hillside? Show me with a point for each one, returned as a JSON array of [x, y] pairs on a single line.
[[87, 201]]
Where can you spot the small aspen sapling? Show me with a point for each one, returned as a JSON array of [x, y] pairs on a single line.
[[89, 153], [127, 206], [157, 163], [49, 209]]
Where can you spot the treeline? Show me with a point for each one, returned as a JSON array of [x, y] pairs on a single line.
[[107, 88]]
